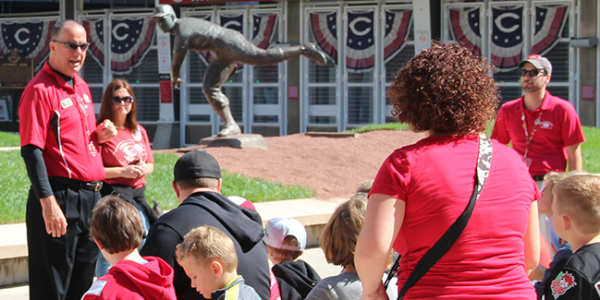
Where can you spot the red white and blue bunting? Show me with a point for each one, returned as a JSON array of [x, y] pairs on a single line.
[[264, 30], [31, 38], [130, 42], [360, 41], [466, 28], [507, 37], [397, 29], [549, 25], [323, 28]]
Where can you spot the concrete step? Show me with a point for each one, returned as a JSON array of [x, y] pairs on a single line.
[[312, 213]]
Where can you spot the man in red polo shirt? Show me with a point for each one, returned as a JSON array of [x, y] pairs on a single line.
[[544, 129], [60, 146]]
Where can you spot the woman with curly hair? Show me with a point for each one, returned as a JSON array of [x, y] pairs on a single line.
[[421, 189]]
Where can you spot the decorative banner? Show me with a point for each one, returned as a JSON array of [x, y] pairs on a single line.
[[264, 30], [31, 38], [360, 41], [549, 25], [130, 42], [397, 25], [507, 38], [466, 28], [323, 28]]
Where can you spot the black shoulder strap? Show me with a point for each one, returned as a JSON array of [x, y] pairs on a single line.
[[451, 235]]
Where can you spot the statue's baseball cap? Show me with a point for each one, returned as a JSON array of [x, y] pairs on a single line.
[[539, 62], [279, 228], [196, 164]]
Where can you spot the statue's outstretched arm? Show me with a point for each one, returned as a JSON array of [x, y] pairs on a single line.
[[178, 57]]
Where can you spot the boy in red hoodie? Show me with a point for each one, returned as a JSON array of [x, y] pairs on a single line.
[[116, 227]]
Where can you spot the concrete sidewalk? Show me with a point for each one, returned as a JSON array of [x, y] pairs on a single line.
[[312, 213]]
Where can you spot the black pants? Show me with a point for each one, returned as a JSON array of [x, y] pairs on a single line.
[[61, 268], [131, 195]]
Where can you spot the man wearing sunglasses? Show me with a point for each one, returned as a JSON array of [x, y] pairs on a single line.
[[60, 144], [544, 129]]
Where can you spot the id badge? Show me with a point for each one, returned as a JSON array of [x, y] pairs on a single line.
[[92, 149], [527, 161]]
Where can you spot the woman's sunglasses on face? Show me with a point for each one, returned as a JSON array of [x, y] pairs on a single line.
[[532, 73], [127, 99], [73, 46]]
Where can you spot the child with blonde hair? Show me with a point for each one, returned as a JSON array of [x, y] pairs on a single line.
[[208, 257], [576, 218]]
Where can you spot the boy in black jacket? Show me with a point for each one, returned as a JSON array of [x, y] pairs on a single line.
[[286, 240]]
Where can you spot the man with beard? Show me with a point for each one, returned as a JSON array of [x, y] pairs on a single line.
[[544, 129]]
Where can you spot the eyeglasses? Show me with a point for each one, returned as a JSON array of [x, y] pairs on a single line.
[[127, 99], [532, 73], [73, 46]]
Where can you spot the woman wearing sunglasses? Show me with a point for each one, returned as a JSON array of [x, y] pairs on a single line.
[[127, 157]]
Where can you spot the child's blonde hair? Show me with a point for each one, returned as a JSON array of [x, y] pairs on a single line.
[[205, 244], [578, 197], [341, 232]]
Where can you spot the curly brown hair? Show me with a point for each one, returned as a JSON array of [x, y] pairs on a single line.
[[445, 89]]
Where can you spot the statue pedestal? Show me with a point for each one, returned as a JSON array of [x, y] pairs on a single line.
[[236, 141]]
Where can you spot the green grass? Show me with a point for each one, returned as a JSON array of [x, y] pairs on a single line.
[[591, 149], [15, 186], [386, 126], [9, 139]]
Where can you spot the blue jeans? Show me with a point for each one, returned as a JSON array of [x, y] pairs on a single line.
[[103, 265]]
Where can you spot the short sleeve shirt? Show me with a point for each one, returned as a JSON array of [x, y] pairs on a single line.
[[558, 127], [576, 277], [125, 149], [435, 177], [60, 120]]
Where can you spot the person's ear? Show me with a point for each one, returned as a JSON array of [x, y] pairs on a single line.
[[217, 268], [175, 188], [98, 243], [219, 184], [567, 222]]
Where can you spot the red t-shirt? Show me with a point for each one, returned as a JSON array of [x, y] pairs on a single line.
[[435, 177], [72, 151], [125, 149], [559, 127]]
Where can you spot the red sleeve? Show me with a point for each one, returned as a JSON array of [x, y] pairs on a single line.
[[572, 132], [500, 133], [35, 113], [392, 177], [150, 158]]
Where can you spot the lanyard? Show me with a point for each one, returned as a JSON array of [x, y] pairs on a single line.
[[528, 137], [84, 115]]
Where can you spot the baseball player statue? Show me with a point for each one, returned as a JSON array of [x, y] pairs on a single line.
[[228, 47]]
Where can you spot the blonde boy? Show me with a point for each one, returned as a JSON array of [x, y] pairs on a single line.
[[576, 218], [208, 257]]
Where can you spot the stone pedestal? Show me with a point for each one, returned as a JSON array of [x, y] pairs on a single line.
[[236, 141]]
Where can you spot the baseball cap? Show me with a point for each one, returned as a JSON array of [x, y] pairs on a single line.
[[539, 62], [279, 228], [196, 164]]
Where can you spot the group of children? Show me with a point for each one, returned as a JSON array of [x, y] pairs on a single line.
[[571, 201]]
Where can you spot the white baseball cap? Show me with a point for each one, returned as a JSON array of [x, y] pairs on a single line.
[[279, 228], [539, 62]]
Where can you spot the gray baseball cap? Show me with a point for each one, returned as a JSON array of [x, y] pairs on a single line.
[[539, 62]]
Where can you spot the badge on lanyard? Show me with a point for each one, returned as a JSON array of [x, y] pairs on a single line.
[[66, 103], [92, 148]]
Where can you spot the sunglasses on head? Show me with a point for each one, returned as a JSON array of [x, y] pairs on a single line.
[[532, 73], [73, 46], [126, 99]]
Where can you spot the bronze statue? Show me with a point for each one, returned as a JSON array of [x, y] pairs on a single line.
[[228, 47]]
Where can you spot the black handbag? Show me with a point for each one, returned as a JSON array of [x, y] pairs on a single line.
[[444, 244]]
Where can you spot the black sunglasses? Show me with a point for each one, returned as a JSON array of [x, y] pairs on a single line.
[[73, 46], [532, 73], [126, 99]]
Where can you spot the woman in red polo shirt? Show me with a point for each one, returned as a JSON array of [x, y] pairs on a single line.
[[127, 157]]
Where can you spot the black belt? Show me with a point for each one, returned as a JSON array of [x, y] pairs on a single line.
[[538, 177], [78, 184]]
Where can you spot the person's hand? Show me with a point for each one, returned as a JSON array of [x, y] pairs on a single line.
[[106, 131], [54, 218], [378, 294], [132, 171], [175, 81]]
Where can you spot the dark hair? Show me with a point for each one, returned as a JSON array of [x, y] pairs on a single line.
[[59, 26], [106, 108], [202, 182], [445, 89], [116, 224], [339, 238]]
